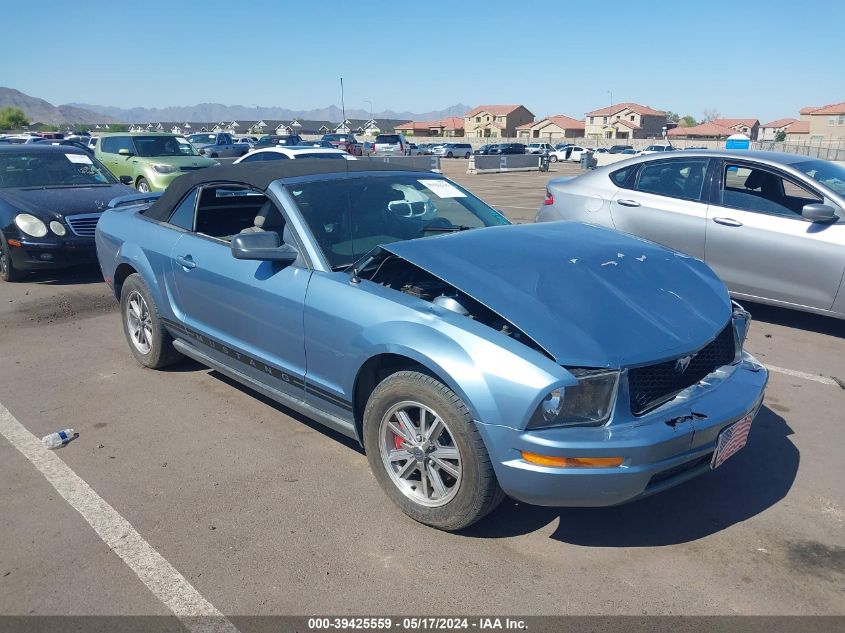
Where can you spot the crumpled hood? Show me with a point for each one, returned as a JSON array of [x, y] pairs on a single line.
[[589, 296], [64, 200]]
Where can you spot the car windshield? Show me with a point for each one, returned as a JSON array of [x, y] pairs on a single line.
[[329, 155], [163, 146], [202, 138], [829, 174], [269, 141], [51, 169], [351, 216]]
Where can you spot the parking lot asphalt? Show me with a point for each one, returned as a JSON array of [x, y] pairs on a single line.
[[264, 512]]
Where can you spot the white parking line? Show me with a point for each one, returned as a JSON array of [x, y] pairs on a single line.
[[160, 577], [800, 374]]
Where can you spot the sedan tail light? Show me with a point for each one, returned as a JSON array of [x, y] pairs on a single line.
[[550, 199]]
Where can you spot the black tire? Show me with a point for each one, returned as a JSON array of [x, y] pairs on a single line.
[[8, 272], [552, 158], [450, 155], [214, 156], [478, 491], [467, 155], [161, 352], [141, 183]]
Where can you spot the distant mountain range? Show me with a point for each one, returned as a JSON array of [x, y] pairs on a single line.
[[40, 111], [217, 112]]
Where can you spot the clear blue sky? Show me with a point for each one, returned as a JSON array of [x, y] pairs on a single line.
[[763, 59]]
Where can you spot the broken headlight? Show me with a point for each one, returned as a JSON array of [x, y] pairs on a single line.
[[741, 320], [587, 403]]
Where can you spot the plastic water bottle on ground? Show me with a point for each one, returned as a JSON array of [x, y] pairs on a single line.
[[59, 438]]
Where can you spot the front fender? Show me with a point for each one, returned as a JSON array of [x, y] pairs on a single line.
[[500, 386]]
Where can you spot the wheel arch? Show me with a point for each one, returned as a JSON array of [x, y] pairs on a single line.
[[385, 363]]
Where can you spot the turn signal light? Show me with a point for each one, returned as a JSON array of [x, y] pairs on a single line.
[[550, 199], [571, 462], [14, 243]]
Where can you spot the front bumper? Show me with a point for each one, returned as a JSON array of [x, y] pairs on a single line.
[[38, 254], [159, 182], [658, 450]]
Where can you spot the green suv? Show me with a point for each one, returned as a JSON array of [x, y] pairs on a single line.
[[148, 161]]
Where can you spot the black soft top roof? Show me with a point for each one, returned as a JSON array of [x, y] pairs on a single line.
[[259, 175]]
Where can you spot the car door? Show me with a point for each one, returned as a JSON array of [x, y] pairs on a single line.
[[761, 246], [663, 201], [245, 314]]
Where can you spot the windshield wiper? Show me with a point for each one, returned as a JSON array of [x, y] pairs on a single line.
[[446, 229]]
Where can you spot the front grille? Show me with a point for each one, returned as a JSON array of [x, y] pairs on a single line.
[[653, 385], [84, 224]]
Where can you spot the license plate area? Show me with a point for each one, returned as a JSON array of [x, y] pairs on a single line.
[[731, 440]]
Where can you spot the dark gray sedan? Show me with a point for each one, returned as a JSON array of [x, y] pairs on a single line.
[[772, 225]]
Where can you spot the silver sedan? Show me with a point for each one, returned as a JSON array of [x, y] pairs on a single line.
[[772, 225]]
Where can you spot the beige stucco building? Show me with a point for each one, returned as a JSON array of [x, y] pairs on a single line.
[[827, 123], [496, 121], [550, 129], [625, 121], [770, 131]]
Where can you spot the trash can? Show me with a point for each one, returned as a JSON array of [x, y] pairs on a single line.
[[585, 159], [592, 161], [544, 161]]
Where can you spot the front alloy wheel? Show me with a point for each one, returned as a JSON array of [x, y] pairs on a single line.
[[426, 453], [143, 186], [419, 454]]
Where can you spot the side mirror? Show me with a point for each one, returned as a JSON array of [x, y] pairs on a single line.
[[817, 212], [126, 180], [263, 246], [124, 152]]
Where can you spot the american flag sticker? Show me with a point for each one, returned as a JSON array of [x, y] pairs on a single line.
[[731, 440]]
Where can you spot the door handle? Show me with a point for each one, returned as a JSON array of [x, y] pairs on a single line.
[[629, 203], [186, 261], [727, 221]]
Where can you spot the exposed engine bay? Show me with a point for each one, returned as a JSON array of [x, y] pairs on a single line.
[[394, 272]]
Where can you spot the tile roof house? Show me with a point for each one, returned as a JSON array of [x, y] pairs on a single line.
[[826, 122], [770, 130], [708, 130], [798, 131], [551, 128], [626, 120], [496, 121], [749, 127], [448, 126]]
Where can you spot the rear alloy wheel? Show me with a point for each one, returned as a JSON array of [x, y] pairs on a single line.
[[142, 185], [552, 158], [426, 453], [450, 155], [149, 340], [8, 272], [467, 155]]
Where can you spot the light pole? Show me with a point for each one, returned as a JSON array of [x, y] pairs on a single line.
[[610, 112]]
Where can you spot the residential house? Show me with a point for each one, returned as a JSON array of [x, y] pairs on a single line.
[[770, 131], [452, 126], [551, 128], [709, 130], [827, 123], [749, 127], [798, 131], [496, 121], [625, 121]]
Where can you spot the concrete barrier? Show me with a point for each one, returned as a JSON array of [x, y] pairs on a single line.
[[431, 163], [480, 164]]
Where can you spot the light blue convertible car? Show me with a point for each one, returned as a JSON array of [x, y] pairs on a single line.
[[561, 364]]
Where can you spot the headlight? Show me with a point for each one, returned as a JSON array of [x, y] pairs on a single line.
[[30, 225], [165, 169], [58, 228], [587, 403], [741, 319]]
